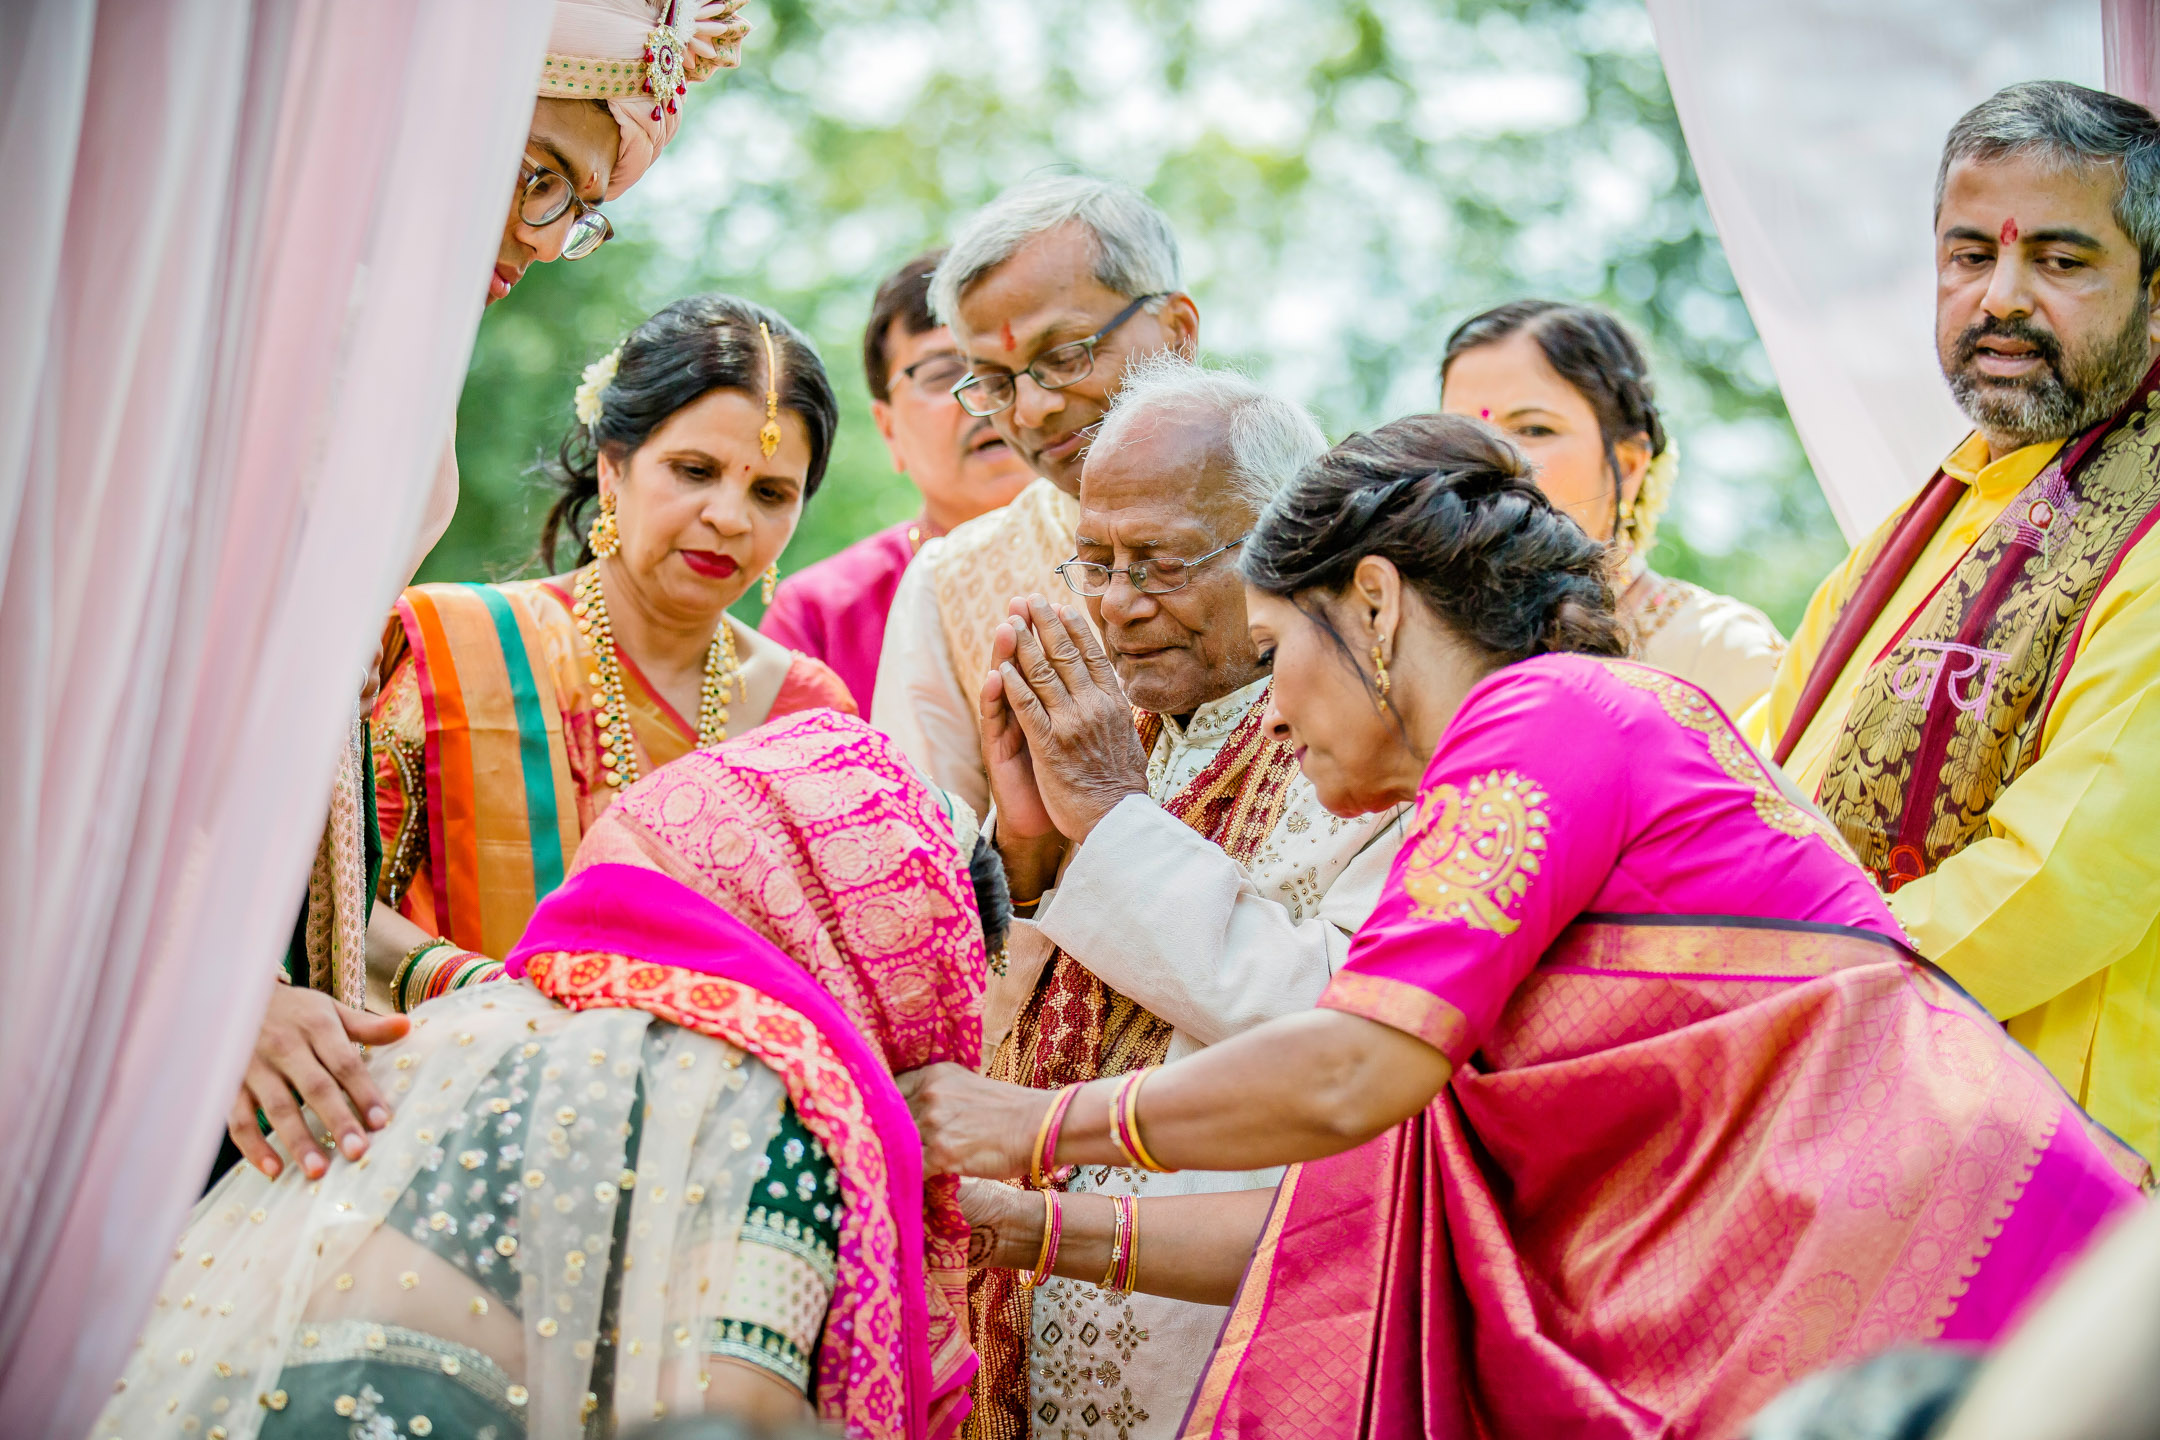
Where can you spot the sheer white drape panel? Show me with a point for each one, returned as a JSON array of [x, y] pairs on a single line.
[[1815, 126], [249, 245], [2132, 32]]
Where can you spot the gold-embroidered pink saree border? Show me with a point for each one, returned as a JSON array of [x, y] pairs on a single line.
[[1400, 1006], [1800, 1150]]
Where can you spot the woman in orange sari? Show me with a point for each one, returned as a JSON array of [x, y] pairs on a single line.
[[1630, 1104], [511, 715]]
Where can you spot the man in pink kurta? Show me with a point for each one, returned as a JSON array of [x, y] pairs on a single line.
[[835, 610]]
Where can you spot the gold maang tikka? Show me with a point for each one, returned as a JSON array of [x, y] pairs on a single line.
[[768, 435]]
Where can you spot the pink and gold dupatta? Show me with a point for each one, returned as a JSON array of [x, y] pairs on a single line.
[[797, 892], [1696, 1159]]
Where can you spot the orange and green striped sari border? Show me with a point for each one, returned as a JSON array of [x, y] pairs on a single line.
[[450, 804], [502, 816], [534, 759]]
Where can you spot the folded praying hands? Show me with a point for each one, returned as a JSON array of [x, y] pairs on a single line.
[[1058, 734]]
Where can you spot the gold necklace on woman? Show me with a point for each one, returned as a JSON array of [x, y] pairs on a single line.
[[618, 753]]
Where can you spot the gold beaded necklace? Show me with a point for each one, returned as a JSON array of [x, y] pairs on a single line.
[[618, 753]]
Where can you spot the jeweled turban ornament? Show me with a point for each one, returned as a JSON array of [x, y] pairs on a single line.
[[639, 58]]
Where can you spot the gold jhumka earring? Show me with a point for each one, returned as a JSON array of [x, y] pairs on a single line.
[[1380, 675], [772, 578], [603, 538]]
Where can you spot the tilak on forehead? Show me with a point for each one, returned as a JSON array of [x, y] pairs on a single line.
[[2009, 232], [1005, 329]]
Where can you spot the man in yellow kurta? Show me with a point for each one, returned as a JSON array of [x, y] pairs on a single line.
[[1974, 695]]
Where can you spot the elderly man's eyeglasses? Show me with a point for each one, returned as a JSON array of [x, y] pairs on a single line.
[[1150, 577], [545, 197], [1068, 364]]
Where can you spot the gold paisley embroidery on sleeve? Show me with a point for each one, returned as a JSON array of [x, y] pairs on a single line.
[[1478, 849], [1692, 709]]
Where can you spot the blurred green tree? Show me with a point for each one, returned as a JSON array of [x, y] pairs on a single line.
[[1349, 178]]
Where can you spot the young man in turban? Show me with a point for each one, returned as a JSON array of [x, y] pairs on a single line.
[[610, 99], [1972, 696]]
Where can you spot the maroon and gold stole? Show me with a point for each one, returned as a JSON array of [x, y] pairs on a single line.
[[1952, 710], [1074, 1027]]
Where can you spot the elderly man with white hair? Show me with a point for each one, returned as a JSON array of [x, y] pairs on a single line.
[[1201, 888], [1048, 291]]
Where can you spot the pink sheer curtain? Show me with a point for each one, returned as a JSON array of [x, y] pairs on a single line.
[[1815, 126], [248, 246], [2131, 32]]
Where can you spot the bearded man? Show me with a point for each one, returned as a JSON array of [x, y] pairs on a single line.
[[1201, 888], [1049, 291], [1971, 695]]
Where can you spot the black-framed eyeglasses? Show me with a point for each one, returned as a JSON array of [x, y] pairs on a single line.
[[545, 197], [1149, 577], [1068, 364], [937, 373]]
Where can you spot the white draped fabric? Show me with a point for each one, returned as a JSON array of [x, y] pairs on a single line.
[[1815, 126], [248, 241]]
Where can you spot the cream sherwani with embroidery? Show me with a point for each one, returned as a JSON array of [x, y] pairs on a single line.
[[943, 617], [1213, 948]]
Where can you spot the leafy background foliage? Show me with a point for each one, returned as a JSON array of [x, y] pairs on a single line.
[[1349, 179]]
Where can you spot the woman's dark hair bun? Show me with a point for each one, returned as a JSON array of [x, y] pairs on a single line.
[[992, 900], [681, 354], [1453, 505]]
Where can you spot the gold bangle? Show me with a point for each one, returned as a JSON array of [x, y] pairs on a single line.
[[1132, 1123], [1120, 1241], [403, 975]]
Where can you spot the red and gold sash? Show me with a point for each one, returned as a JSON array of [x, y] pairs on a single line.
[[1953, 708], [1074, 1027]]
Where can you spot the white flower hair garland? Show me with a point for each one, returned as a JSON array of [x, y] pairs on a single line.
[[598, 376]]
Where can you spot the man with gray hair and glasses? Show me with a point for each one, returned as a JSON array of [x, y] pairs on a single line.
[[1185, 882], [1049, 291], [1971, 696]]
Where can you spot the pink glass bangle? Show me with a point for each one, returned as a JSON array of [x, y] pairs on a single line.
[[1053, 1231], [1043, 1162], [1121, 1240]]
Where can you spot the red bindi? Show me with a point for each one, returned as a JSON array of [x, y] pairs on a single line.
[[1006, 331], [2009, 232], [1484, 414]]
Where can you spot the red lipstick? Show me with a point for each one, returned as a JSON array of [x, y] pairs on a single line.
[[709, 563]]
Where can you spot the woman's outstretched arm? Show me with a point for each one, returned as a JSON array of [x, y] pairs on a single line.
[[1294, 1089], [1192, 1247]]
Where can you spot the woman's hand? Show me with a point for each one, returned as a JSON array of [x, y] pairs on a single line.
[[1005, 1225], [973, 1126]]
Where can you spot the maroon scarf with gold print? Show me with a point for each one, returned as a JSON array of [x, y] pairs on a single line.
[[1953, 708], [1074, 1027]]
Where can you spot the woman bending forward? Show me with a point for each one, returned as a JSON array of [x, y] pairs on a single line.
[[663, 1168], [1630, 1105]]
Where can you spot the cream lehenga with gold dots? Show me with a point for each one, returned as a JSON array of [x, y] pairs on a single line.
[[669, 1142]]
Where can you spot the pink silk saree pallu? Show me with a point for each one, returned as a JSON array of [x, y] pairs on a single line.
[[1696, 1160]]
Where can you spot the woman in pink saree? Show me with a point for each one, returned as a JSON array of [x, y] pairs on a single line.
[[1630, 1105], [661, 1169]]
